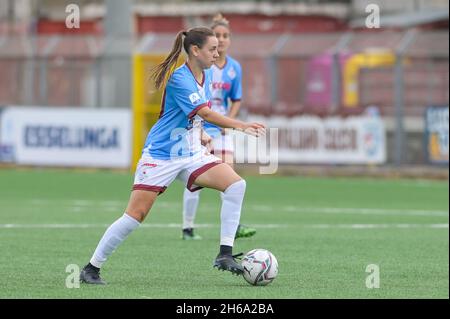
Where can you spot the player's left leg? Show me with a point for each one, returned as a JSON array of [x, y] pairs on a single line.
[[224, 179], [225, 151]]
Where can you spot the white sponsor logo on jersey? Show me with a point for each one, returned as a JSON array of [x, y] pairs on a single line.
[[194, 97]]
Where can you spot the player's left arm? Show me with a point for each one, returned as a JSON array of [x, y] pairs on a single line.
[[234, 109], [236, 93]]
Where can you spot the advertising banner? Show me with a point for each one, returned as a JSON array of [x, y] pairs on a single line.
[[436, 135], [67, 136], [334, 140]]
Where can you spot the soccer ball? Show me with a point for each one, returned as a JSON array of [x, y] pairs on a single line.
[[260, 267]]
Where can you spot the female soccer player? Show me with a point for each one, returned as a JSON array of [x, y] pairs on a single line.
[[173, 149], [226, 88]]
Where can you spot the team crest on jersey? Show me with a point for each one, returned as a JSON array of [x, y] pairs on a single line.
[[194, 97], [231, 73]]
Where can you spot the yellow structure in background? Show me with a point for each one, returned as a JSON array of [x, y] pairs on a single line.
[[370, 59], [146, 101], [437, 152]]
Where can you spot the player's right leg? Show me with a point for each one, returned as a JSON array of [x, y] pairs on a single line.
[[138, 207], [151, 179]]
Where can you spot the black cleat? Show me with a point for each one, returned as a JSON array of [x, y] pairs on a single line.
[[188, 234], [91, 275], [227, 262]]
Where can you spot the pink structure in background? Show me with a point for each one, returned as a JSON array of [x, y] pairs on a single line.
[[319, 93]]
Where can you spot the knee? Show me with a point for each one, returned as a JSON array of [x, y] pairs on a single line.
[[138, 213], [237, 187]]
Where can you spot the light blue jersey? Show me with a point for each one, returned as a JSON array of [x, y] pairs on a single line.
[[177, 132], [226, 87]]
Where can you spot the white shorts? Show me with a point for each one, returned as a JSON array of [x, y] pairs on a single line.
[[222, 144], [156, 175]]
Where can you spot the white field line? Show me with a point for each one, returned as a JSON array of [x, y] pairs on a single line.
[[259, 226], [377, 226], [80, 205], [149, 225], [364, 211]]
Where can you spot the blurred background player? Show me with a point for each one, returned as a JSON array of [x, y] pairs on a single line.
[[226, 100], [164, 158]]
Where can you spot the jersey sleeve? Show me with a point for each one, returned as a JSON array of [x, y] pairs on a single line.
[[236, 88], [187, 95]]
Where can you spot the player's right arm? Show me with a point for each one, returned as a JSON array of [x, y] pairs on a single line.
[[210, 116]]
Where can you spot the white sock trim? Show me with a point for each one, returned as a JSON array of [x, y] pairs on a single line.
[[227, 241], [131, 219], [237, 187], [95, 263]]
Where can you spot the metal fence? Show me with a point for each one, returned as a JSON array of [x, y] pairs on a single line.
[[283, 74], [82, 71]]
